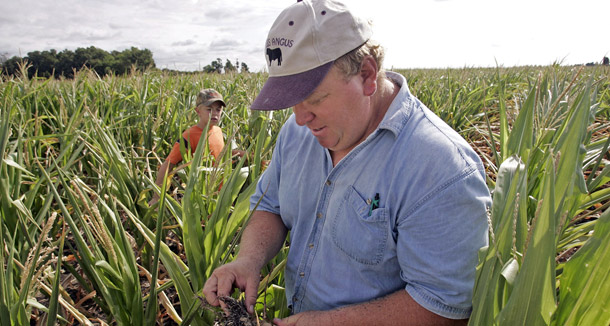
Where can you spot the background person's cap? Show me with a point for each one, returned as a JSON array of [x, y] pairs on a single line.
[[301, 47], [208, 96]]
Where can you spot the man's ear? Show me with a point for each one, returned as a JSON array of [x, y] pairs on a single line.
[[368, 73]]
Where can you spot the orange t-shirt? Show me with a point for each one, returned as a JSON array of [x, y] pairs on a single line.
[[215, 142]]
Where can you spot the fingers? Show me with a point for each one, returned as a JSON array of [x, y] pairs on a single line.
[[227, 277], [210, 290], [225, 282], [251, 295], [220, 284]]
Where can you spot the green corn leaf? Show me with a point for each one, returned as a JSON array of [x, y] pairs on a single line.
[[532, 301], [174, 266], [571, 149], [191, 226], [152, 306], [6, 280], [224, 223], [504, 132], [520, 141], [54, 300], [491, 287], [112, 276], [584, 292]]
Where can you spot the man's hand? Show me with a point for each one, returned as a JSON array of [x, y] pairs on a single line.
[[261, 240], [242, 274]]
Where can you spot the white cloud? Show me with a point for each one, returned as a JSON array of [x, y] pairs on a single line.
[[184, 43]]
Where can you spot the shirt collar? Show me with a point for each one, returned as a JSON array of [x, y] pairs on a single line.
[[399, 111]]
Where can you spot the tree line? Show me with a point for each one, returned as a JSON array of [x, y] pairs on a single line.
[[217, 66], [65, 63]]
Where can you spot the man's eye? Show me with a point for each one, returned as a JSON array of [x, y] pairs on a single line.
[[317, 100]]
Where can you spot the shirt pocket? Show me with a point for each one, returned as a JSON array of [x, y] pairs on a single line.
[[360, 235]]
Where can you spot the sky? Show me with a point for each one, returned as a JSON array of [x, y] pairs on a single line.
[[187, 35]]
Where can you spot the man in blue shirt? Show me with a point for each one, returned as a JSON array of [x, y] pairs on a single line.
[[385, 203]]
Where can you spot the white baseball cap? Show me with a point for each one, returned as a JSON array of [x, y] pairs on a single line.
[[301, 47]]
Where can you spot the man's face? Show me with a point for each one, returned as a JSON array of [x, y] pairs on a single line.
[[210, 113], [337, 113]]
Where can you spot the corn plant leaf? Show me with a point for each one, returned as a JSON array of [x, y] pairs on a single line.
[[6, 280], [520, 140], [595, 151], [491, 288], [504, 131], [584, 292], [510, 271], [571, 149], [193, 233], [174, 266], [17, 166], [113, 276], [152, 307], [222, 229], [532, 301], [54, 300]]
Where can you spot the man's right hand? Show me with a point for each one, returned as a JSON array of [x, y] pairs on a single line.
[[261, 241], [240, 273]]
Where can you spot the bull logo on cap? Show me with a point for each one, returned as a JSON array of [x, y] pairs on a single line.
[[273, 54]]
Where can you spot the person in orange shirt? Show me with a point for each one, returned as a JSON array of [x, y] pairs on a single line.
[[209, 106]]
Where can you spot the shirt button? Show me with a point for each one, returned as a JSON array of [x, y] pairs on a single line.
[[319, 215], [302, 275], [328, 182], [311, 246]]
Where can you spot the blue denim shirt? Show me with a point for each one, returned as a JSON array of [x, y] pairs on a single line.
[[421, 235]]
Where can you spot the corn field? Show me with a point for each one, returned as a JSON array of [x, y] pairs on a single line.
[[81, 246]]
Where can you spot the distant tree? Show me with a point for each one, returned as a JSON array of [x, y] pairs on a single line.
[[43, 62], [208, 69], [229, 67], [11, 66], [142, 59], [121, 62], [606, 61], [218, 65], [65, 64], [244, 67], [214, 67], [94, 58]]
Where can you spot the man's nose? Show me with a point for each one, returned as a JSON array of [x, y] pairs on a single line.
[[302, 114]]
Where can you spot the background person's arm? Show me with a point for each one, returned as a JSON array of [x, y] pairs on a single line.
[[262, 239], [166, 166]]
